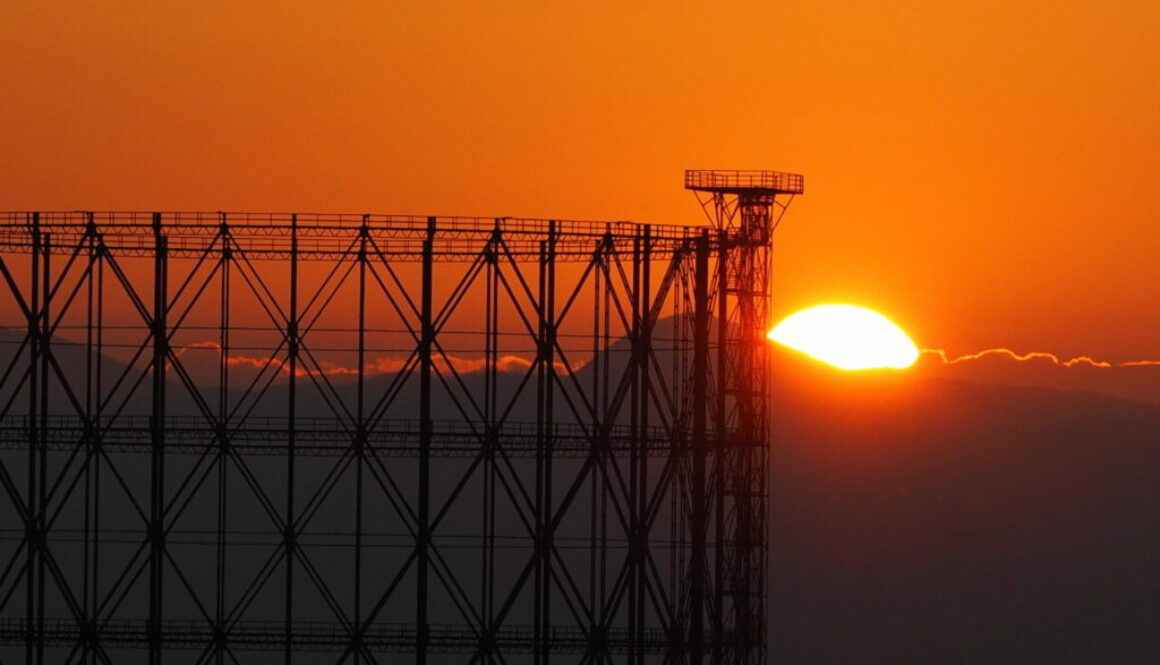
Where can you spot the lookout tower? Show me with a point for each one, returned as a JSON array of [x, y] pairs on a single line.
[[744, 207]]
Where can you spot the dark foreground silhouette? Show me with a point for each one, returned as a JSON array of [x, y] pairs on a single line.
[[926, 520]]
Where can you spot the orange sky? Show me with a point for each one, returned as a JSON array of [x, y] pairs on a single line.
[[985, 174]]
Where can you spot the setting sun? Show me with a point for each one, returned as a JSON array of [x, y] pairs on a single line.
[[847, 337]]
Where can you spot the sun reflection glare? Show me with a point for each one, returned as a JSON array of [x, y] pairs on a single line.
[[847, 337]]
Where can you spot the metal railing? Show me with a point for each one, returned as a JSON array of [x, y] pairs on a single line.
[[731, 181], [273, 236]]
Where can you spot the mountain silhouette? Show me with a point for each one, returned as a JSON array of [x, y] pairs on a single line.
[[933, 520], [913, 517]]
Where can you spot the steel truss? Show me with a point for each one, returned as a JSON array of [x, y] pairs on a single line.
[[313, 438]]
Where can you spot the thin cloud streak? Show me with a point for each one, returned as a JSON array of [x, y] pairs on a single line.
[[1084, 361], [373, 367]]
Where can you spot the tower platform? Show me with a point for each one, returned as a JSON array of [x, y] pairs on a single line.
[[738, 182]]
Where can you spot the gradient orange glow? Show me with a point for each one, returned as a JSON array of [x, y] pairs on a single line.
[[984, 171]]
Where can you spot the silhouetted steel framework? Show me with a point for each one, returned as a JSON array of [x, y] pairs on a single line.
[[465, 440]]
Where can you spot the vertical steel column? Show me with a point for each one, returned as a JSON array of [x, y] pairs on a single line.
[[42, 482], [91, 397], [97, 451], [641, 509], [426, 341], [33, 634], [360, 437], [634, 407], [638, 407], [223, 438], [597, 453], [30, 527], [491, 398], [291, 441], [157, 468], [603, 311], [549, 340], [539, 649], [700, 448], [38, 499], [545, 387], [721, 423]]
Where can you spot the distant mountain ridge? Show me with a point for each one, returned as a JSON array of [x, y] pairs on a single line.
[[1140, 382], [919, 517], [938, 520]]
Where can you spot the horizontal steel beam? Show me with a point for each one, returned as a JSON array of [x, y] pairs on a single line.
[[326, 636], [326, 437]]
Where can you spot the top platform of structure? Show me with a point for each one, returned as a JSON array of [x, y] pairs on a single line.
[[320, 236], [744, 182]]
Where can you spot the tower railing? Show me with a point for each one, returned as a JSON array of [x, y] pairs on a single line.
[[734, 181]]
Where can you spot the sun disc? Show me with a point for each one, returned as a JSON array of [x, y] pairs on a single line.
[[847, 337]]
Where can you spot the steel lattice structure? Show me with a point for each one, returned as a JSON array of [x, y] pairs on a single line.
[[323, 438]]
